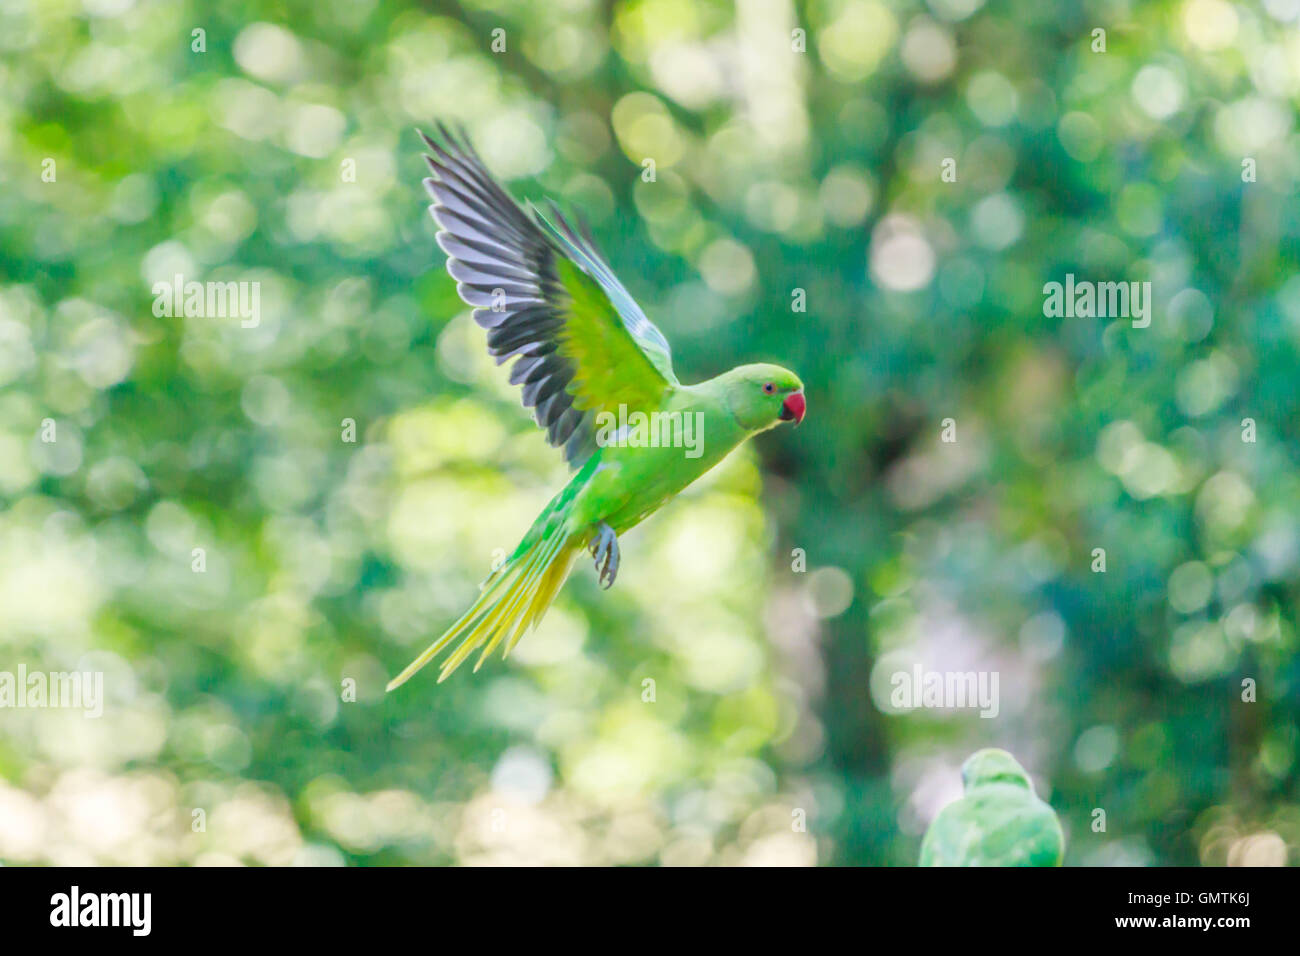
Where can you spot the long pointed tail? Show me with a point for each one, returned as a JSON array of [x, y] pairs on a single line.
[[513, 601]]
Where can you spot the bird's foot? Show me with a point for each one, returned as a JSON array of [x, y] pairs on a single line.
[[604, 548]]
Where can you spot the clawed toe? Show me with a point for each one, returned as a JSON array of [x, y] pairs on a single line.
[[604, 548], [610, 571]]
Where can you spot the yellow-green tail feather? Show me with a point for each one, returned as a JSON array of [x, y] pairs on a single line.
[[556, 574], [513, 601]]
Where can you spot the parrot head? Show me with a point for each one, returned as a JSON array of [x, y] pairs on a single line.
[[762, 396], [993, 766]]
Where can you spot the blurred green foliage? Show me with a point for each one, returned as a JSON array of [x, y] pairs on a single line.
[[799, 154]]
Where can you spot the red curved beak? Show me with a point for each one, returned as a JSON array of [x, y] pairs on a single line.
[[793, 408]]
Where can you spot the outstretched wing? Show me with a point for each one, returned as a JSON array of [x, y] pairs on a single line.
[[544, 294]]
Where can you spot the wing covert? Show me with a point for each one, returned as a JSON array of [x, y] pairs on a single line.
[[547, 298]]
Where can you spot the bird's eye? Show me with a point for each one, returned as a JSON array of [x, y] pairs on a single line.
[[769, 388]]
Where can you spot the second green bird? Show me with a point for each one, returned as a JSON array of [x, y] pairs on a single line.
[[599, 378], [999, 822]]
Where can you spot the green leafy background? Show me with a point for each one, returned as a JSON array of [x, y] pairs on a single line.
[[783, 161]]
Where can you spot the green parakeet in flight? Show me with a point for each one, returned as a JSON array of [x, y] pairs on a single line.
[[598, 376], [999, 822]]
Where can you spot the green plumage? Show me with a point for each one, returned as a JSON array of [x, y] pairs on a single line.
[[598, 376], [999, 821]]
